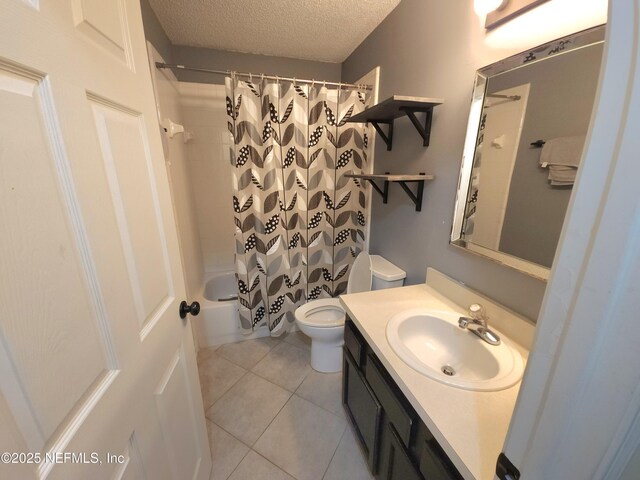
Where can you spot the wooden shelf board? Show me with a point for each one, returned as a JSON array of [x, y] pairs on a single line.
[[391, 178], [391, 108]]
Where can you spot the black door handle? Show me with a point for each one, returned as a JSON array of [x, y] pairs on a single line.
[[193, 309]]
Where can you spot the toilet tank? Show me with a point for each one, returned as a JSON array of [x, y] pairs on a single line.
[[385, 274]]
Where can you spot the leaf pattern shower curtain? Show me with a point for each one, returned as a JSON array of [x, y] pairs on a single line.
[[299, 220]]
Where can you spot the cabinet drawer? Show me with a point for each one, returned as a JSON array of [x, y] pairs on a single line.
[[398, 412], [434, 463], [363, 409], [354, 342]]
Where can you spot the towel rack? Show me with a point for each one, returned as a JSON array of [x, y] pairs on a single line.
[[537, 143]]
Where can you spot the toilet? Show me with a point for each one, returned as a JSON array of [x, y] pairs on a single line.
[[323, 320]]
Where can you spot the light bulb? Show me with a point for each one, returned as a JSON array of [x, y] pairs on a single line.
[[483, 7]]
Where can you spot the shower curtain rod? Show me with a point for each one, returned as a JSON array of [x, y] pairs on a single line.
[[260, 75]]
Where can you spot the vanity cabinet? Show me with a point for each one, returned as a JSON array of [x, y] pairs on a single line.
[[363, 409], [395, 462], [395, 441]]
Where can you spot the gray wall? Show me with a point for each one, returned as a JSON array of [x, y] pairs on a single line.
[[432, 48], [561, 98], [223, 60], [154, 32], [247, 62]]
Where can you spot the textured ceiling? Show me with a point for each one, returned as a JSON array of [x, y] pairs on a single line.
[[322, 30]]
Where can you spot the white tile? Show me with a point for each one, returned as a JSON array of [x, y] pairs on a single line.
[[226, 452], [301, 439], [249, 352], [284, 365], [217, 375], [298, 339], [348, 461], [248, 407], [323, 389], [255, 467]]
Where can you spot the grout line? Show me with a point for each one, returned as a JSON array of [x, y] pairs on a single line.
[[291, 395], [227, 431], [321, 408], [342, 419], [296, 344], [199, 357], [274, 417], [334, 453], [316, 404], [232, 436], [279, 468], [280, 386], [294, 392], [241, 460], [225, 392], [261, 358], [285, 388]]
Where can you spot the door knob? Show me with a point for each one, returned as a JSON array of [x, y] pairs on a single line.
[[193, 309]]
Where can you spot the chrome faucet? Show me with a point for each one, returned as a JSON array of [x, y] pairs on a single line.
[[476, 323]]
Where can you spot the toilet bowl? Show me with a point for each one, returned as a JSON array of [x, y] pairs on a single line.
[[323, 320]]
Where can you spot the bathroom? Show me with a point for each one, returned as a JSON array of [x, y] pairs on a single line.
[[147, 284]]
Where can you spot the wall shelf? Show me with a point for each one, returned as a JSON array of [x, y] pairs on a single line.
[[398, 106], [401, 180]]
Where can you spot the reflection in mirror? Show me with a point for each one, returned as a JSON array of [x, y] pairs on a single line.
[[526, 133]]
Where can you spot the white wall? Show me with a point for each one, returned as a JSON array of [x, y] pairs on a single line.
[[204, 114], [504, 124], [168, 105]]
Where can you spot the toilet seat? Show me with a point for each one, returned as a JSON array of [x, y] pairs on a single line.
[[323, 320], [328, 312], [324, 313]]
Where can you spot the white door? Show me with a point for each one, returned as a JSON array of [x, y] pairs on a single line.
[[578, 410], [94, 358]]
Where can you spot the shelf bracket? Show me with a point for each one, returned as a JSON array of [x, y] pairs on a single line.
[[384, 191], [416, 198], [386, 137], [423, 129]]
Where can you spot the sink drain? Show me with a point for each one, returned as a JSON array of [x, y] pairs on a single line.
[[448, 370]]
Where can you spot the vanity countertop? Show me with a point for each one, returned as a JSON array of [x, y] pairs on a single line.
[[470, 426]]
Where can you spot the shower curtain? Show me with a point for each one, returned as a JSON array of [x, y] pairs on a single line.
[[300, 222]]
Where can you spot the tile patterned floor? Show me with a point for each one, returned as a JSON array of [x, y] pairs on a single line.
[[271, 417]]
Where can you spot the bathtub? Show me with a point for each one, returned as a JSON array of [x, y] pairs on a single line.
[[218, 321]]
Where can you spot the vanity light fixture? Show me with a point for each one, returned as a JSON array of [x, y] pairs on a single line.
[[483, 7]]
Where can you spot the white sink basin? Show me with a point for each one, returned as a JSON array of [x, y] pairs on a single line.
[[432, 342]]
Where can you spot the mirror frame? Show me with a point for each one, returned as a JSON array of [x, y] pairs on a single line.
[[556, 47]]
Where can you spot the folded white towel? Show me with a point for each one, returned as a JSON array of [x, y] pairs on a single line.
[[565, 151], [562, 175], [556, 174]]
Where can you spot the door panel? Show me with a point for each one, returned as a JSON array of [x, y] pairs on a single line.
[[178, 423], [128, 169], [104, 23], [91, 276], [42, 239], [132, 468]]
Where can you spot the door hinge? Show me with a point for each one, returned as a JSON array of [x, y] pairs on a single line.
[[505, 470]]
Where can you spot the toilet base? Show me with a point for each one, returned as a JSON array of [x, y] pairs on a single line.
[[326, 357]]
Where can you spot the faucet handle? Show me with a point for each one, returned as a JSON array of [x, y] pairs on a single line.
[[476, 311]]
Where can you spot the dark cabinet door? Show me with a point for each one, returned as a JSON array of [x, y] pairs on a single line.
[[395, 463], [434, 463], [363, 409]]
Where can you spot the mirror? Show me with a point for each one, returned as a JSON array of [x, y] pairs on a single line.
[[529, 119]]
